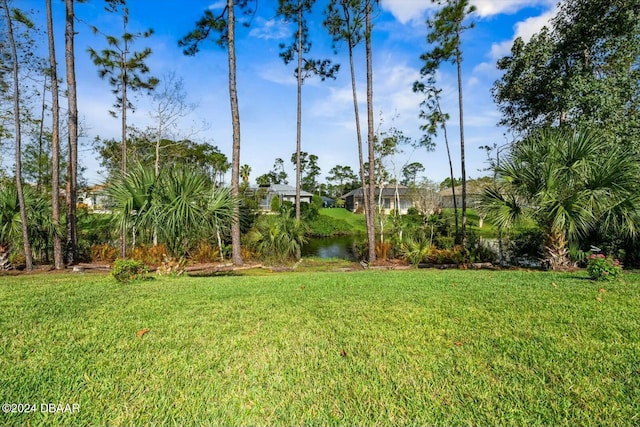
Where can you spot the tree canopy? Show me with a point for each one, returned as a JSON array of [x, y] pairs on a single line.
[[582, 70]]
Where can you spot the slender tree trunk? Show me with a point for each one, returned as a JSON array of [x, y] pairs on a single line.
[[18, 136], [370, 136], [156, 165], [156, 169], [123, 124], [299, 114], [58, 261], [41, 134], [220, 244], [463, 240], [235, 121], [71, 196], [380, 211], [453, 187], [365, 195]]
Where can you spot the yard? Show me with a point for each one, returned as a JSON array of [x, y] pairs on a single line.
[[421, 347]]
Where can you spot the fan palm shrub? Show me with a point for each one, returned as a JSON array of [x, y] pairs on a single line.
[[40, 226], [132, 196], [188, 207], [180, 206], [10, 224], [570, 182], [278, 238], [415, 249]]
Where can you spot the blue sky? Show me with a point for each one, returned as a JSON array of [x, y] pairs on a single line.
[[267, 88]]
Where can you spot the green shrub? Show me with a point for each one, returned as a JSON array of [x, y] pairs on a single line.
[[275, 204], [525, 243], [601, 267], [445, 242], [310, 211], [360, 248], [17, 261], [478, 249], [454, 255], [126, 270], [277, 237], [415, 250]]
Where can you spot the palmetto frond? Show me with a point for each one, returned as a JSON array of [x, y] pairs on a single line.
[[502, 205], [132, 195], [571, 185]]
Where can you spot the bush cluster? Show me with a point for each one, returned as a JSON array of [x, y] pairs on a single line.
[[602, 267], [127, 270]]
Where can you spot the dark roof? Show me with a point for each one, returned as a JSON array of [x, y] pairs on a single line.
[[389, 190], [472, 188], [281, 189], [287, 190]]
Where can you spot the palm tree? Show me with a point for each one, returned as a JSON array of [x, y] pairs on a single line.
[[570, 182], [245, 171]]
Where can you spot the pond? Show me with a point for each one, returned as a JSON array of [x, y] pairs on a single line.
[[330, 247]]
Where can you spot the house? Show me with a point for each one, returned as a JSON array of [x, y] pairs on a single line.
[[474, 192], [95, 199], [285, 193], [328, 202], [393, 197]]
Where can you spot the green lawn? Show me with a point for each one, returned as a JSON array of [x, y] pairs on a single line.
[[421, 347], [488, 230], [356, 221]]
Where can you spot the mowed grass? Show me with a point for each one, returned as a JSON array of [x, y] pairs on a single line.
[[356, 221], [418, 347]]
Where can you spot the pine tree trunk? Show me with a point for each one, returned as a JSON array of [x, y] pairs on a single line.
[[71, 196], [463, 239], [18, 137], [299, 115], [123, 124], [39, 180], [156, 169], [365, 195], [58, 261], [453, 187], [235, 120], [370, 136]]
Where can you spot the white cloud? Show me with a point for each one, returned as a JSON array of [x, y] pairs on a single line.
[[220, 4], [411, 10], [524, 29], [406, 10], [277, 72], [338, 105], [394, 88], [273, 29], [495, 7], [485, 68]]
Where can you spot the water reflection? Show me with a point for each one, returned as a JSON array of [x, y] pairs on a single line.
[[329, 247]]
